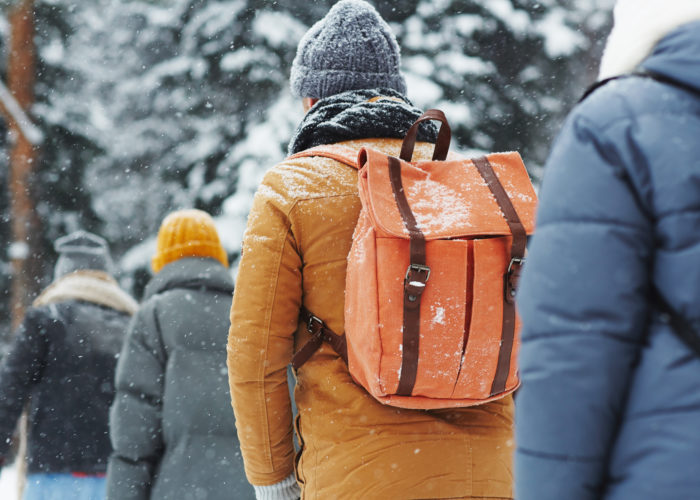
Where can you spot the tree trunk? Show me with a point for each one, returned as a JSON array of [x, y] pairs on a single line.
[[25, 224]]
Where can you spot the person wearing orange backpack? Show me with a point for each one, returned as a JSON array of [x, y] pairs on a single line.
[[299, 233]]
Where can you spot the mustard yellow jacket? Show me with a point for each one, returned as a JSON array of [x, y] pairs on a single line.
[[294, 253]]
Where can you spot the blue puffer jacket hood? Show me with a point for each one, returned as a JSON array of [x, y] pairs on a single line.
[[609, 406], [677, 56]]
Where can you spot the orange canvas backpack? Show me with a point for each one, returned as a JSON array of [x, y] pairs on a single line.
[[430, 319]]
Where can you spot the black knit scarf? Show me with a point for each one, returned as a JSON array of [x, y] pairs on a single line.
[[353, 115]]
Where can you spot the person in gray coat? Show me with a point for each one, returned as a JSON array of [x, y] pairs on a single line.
[[170, 424]]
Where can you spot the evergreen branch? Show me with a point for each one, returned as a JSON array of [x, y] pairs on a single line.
[[15, 112]]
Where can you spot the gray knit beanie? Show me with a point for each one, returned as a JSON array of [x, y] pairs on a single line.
[[81, 251], [351, 48]]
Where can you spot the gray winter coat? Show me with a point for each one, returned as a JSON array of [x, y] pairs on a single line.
[[171, 424]]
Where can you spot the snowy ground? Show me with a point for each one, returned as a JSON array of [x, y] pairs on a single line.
[[8, 483]]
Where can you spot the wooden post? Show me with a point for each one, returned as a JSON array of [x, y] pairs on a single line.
[[25, 224]]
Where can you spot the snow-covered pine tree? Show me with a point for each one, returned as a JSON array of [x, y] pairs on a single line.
[[149, 106], [501, 69], [144, 101]]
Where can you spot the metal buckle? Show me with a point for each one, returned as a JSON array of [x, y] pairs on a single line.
[[420, 268], [309, 325], [516, 261], [510, 282]]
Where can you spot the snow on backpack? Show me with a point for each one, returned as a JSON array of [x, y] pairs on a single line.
[[430, 318]]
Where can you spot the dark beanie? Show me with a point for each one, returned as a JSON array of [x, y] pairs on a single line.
[[351, 48], [81, 251]]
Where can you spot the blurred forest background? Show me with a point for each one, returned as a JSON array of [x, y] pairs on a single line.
[[146, 106]]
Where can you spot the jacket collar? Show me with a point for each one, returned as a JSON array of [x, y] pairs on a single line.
[[191, 272], [639, 27]]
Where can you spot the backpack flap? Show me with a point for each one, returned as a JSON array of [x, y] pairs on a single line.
[[449, 199]]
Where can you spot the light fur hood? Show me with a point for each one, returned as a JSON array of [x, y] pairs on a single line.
[[91, 286], [639, 26]]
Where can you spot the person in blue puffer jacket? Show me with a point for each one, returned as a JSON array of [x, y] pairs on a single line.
[[610, 402]]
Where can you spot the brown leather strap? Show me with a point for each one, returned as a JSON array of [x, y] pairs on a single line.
[[415, 280], [517, 258], [442, 145], [417, 240], [319, 333], [517, 250]]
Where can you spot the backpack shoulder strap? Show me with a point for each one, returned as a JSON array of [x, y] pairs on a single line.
[[319, 332], [665, 79], [314, 325], [642, 74], [337, 152], [595, 86], [679, 325], [57, 317]]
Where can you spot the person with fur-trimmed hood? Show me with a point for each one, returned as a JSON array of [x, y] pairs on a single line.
[[170, 423], [609, 406], [299, 232], [62, 361]]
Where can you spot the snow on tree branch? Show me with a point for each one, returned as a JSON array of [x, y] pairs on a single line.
[[12, 108]]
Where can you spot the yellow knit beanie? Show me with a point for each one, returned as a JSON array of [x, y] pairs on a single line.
[[187, 233]]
